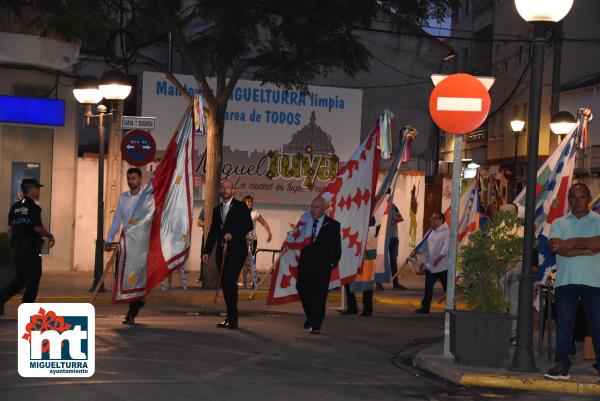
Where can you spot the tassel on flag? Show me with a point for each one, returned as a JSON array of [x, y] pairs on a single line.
[[385, 134], [199, 118]]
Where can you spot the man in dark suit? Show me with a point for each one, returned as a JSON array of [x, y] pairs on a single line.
[[317, 260], [231, 222]]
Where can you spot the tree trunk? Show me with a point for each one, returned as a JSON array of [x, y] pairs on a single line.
[[214, 161]]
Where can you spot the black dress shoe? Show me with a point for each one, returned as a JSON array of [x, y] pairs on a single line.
[[315, 331], [422, 311], [307, 324], [366, 314], [349, 312], [129, 319], [228, 324]]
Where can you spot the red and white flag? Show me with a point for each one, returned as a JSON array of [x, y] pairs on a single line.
[[157, 238], [350, 197]]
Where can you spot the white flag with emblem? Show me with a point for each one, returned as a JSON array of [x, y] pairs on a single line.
[[157, 238]]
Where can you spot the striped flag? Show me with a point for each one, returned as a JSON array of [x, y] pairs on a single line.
[[382, 208], [554, 178], [469, 212], [157, 238], [199, 118]]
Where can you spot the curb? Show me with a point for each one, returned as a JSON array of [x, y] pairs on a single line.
[[439, 366], [530, 384]]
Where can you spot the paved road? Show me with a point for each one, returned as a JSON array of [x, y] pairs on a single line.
[[176, 353]]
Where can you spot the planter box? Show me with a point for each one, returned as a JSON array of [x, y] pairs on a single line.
[[480, 339]]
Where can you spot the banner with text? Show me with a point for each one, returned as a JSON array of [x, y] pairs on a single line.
[[280, 146]]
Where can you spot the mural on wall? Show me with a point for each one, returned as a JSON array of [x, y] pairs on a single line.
[[293, 173], [281, 146], [408, 198]]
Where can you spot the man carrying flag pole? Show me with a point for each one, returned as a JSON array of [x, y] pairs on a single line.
[[230, 223], [157, 237]]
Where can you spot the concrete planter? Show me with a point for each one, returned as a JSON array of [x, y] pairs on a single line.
[[480, 339]]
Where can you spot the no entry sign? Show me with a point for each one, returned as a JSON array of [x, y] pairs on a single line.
[[138, 148], [459, 104]]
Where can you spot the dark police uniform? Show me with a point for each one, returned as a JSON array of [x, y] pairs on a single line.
[[26, 243]]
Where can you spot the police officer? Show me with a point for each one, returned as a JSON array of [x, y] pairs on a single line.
[[27, 233]]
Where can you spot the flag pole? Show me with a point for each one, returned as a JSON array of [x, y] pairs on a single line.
[[221, 272], [101, 280]]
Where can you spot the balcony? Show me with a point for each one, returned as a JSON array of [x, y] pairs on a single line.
[[21, 43]]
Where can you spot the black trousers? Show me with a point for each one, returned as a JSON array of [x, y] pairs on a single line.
[[135, 306], [393, 254], [313, 289], [351, 300], [28, 264], [430, 279], [233, 267]]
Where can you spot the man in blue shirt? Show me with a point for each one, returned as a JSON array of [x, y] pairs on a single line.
[[575, 239]]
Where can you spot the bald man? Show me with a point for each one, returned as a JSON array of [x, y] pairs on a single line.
[[317, 260], [231, 222]]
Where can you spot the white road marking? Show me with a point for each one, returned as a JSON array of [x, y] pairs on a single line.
[[459, 104]]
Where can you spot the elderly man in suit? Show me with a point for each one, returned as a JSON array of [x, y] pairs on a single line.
[[317, 260], [231, 222]]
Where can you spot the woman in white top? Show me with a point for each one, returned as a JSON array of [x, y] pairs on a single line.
[[256, 216]]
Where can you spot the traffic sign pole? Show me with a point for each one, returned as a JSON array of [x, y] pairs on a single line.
[[453, 240], [459, 104]]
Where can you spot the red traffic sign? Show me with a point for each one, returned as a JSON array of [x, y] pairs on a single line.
[[138, 147], [459, 104]]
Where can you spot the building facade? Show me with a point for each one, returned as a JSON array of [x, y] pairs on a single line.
[[496, 42]]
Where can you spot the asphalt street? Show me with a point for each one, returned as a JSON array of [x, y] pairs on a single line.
[[175, 352]]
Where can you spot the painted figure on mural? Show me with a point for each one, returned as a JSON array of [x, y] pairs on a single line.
[[414, 206]]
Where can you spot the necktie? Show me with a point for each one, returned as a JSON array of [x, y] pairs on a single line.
[[314, 230], [224, 211]]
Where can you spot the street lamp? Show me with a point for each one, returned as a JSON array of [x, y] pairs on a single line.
[[88, 91], [541, 14], [562, 123], [516, 126], [471, 170], [115, 85]]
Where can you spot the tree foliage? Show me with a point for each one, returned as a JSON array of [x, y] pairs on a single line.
[[283, 42], [486, 259]]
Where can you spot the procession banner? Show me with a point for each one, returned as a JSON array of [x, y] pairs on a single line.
[[157, 238]]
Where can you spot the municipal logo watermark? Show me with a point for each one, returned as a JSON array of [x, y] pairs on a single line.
[[57, 340]]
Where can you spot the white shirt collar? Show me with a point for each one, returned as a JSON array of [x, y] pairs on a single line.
[[228, 202]]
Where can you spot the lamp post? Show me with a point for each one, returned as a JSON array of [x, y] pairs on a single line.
[[516, 126], [562, 123], [113, 86], [541, 14]]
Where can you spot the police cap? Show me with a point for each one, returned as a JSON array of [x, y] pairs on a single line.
[[30, 182]]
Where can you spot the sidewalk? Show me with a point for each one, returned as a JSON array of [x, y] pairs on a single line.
[[582, 382], [74, 286]]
